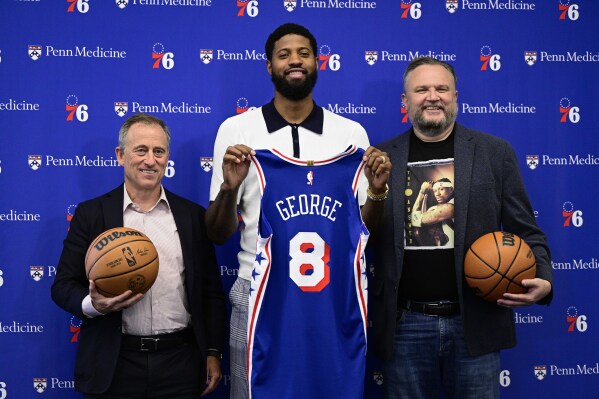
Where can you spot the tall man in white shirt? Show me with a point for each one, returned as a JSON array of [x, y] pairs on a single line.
[[293, 124], [167, 342]]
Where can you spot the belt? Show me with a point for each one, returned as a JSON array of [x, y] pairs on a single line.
[[158, 342], [439, 308]]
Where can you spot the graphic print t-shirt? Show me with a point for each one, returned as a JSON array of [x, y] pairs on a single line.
[[429, 268]]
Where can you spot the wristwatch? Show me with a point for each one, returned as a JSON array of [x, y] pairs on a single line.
[[215, 353]]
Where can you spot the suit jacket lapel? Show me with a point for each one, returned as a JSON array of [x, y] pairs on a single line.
[[112, 206], [464, 146], [397, 184]]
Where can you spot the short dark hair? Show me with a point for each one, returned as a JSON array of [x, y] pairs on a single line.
[[288, 29], [146, 120], [416, 62]]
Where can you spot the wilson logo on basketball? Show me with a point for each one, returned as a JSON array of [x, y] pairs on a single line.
[[115, 236]]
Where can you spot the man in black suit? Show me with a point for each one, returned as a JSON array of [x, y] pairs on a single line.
[[166, 343], [432, 332]]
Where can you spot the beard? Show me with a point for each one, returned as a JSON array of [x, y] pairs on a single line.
[[295, 91], [433, 128]]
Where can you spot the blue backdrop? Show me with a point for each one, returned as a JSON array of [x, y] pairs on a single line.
[[71, 71]]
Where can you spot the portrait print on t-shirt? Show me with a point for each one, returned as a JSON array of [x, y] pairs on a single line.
[[430, 205]]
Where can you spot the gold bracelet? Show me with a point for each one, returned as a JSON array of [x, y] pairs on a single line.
[[378, 197]]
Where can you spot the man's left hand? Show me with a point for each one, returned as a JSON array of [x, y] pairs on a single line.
[[377, 170], [214, 374], [537, 290]]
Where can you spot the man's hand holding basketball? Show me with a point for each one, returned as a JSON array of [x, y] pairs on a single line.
[[105, 305]]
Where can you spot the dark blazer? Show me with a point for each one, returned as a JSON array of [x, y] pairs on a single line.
[[100, 337], [489, 196]]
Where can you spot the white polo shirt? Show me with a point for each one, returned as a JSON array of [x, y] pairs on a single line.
[[323, 134]]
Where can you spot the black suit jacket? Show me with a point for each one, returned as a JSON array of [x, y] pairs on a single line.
[[100, 337], [489, 196]]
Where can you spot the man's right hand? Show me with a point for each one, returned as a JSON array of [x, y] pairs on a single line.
[[236, 165], [106, 305]]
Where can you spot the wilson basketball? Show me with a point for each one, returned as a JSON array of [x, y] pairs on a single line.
[[497, 263], [122, 259]]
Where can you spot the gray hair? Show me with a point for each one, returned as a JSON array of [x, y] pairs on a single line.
[[146, 120]]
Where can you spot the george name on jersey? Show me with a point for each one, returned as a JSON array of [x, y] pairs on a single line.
[[308, 204]]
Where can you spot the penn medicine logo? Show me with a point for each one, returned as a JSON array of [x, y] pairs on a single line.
[[121, 108], [451, 6], [540, 372], [206, 163], [480, 5], [206, 55], [530, 57], [36, 272], [162, 58], [40, 384], [371, 57], [290, 5], [34, 52], [532, 161], [164, 3], [34, 161]]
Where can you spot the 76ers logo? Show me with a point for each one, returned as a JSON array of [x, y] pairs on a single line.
[[569, 113], [575, 321], [414, 10], [573, 217], [332, 61], [76, 110], [247, 7], [568, 10], [164, 59], [489, 60], [82, 6]]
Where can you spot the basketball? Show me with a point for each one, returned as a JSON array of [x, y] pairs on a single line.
[[121, 259], [497, 263]]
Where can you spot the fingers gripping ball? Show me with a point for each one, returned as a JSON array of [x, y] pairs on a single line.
[[122, 259], [497, 263]]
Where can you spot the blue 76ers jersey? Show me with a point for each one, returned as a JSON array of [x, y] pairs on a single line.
[[307, 304]]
